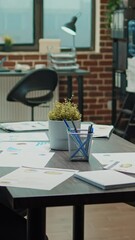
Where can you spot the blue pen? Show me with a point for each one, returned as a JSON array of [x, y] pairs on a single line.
[[90, 131], [80, 148], [74, 125], [68, 127], [79, 140]]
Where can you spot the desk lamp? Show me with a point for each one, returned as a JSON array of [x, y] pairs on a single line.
[[70, 28]]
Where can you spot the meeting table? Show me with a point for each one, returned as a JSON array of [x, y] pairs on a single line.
[[72, 192]]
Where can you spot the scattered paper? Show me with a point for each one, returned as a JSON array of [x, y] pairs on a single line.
[[23, 136], [99, 129], [25, 126], [124, 166], [36, 178], [123, 162], [30, 154]]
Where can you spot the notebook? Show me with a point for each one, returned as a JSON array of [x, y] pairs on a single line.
[[106, 179]]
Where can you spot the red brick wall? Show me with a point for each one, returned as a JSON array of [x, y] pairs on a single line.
[[97, 86]]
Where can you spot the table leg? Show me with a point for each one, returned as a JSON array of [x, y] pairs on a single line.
[[78, 222], [69, 87], [36, 224], [80, 94]]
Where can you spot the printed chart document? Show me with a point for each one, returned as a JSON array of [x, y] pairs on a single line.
[[126, 165], [100, 130], [44, 178], [24, 136], [124, 161], [30, 154], [25, 126], [106, 179]]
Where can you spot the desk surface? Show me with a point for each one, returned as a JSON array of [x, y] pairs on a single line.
[[77, 72], [73, 191]]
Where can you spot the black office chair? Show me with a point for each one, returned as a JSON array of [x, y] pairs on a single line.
[[36, 80]]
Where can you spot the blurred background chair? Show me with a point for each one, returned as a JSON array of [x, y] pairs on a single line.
[[35, 81]]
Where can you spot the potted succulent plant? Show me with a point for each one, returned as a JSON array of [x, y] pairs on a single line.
[[8, 42], [57, 129]]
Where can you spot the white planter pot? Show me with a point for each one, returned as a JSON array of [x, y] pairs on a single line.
[[58, 134]]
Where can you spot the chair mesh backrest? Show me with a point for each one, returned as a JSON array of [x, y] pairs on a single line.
[[40, 79]]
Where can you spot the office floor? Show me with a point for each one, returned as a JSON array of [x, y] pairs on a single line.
[[102, 222]]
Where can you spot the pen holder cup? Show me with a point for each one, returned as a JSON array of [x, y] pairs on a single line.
[[79, 145]]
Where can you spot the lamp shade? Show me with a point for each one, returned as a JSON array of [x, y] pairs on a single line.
[[70, 27]]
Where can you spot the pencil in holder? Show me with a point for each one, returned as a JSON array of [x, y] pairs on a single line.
[[79, 145]]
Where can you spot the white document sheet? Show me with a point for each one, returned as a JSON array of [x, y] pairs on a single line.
[[100, 130], [25, 126], [35, 178], [30, 154], [123, 162], [24, 136]]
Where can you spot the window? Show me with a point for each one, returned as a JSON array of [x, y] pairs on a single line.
[[17, 20], [57, 13], [28, 21]]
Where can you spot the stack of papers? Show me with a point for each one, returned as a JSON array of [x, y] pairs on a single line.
[[106, 179]]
